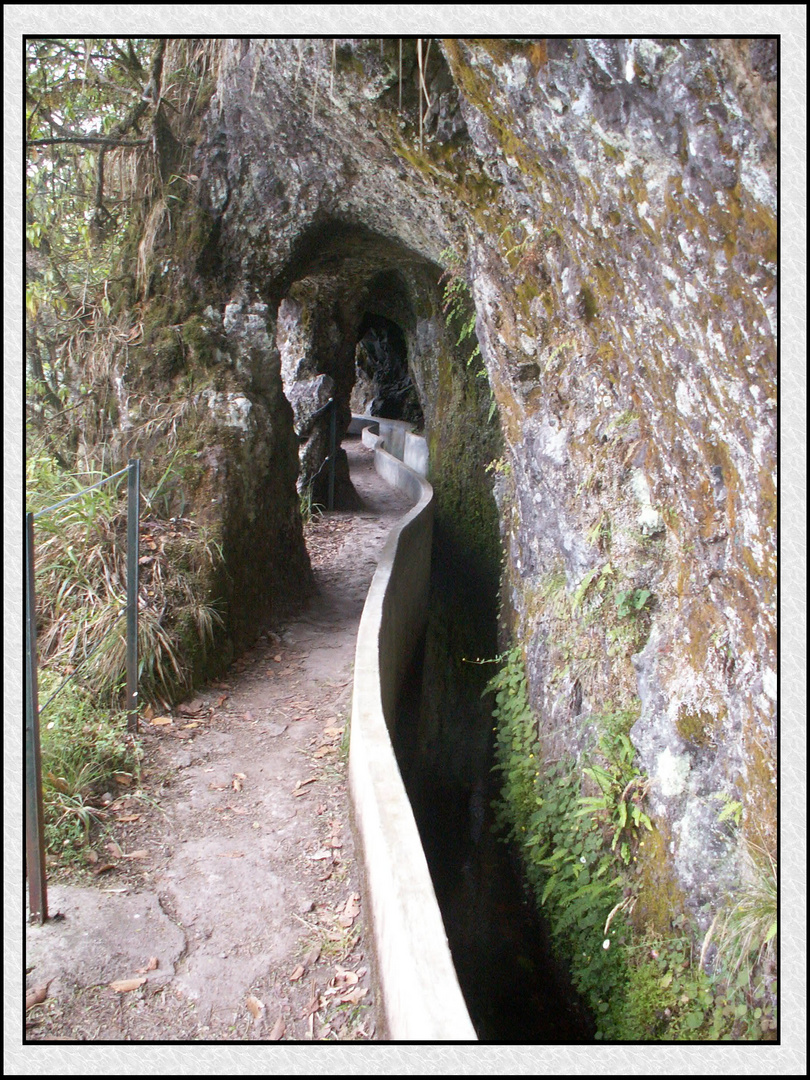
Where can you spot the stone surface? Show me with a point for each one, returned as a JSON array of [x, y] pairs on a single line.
[[611, 205]]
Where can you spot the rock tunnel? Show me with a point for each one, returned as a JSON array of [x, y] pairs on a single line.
[[362, 322], [607, 464]]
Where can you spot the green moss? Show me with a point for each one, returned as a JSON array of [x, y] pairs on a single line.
[[697, 727], [587, 303], [198, 338], [660, 898], [167, 351]]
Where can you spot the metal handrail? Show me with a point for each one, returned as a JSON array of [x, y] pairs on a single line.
[[78, 494], [72, 675]]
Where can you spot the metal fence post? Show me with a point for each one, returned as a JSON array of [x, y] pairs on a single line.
[[133, 507], [330, 504], [34, 825]]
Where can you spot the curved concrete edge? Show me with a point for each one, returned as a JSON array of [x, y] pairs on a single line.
[[398, 436], [370, 435], [420, 991]]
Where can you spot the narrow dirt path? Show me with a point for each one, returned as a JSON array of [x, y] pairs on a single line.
[[226, 894]]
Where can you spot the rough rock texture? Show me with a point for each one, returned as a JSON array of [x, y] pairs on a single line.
[[611, 204]]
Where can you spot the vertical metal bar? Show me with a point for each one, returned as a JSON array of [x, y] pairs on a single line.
[[133, 501], [330, 505], [34, 825]]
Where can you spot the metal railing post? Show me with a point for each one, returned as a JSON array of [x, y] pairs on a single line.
[[330, 505], [133, 507], [34, 824]]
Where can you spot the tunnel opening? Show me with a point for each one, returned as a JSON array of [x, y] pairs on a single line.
[[345, 334], [383, 385]]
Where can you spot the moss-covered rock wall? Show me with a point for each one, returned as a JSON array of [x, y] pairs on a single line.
[[610, 205]]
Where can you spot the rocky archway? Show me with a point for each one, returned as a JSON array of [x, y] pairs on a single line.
[[347, 331]]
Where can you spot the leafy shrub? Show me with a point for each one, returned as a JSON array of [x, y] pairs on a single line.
[[83, 748], [579, 852], [80, 560]]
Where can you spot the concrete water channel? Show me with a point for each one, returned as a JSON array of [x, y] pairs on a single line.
[[422, 785]]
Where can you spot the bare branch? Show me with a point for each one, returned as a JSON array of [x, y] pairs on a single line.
[[88, 140]]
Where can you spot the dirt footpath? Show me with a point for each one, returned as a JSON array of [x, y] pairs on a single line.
[[223, 900]]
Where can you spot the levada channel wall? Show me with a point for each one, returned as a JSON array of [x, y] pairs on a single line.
[[420, 990]]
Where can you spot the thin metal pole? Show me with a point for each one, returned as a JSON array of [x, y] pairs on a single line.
[[133, 501], [34, 824], [330, 505]]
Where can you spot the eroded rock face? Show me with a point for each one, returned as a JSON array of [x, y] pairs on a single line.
[[612, 207]]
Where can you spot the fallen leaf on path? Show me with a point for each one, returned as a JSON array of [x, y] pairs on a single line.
[[353, 997], [350, 911], [114, 849], [302, 783], [157, 721], [151, 965], [123, 986], [277, 658], [336, 842], [143, 854], [312, 956], [122, 778], [278, 1030], [129, 817], [296, 975], [333, 732], [324, 853], [37, 995], [344, 978], [255, 1006], [104, 867], [194, 723], [91, 856], [322, 751]]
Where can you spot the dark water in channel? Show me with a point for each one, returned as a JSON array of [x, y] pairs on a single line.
[[515, 991]]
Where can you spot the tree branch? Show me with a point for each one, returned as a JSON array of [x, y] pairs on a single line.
[[88, 140]]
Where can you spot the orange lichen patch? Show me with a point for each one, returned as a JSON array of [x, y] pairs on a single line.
[[538, 54]]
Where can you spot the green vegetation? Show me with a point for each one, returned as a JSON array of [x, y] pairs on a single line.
[[582, 828], [457, 300], [105, 122], [84, 750], [308, 507], [631, 601], [458, 307], [80, 559]]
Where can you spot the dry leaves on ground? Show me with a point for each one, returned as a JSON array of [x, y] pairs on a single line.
[[123, 986]]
